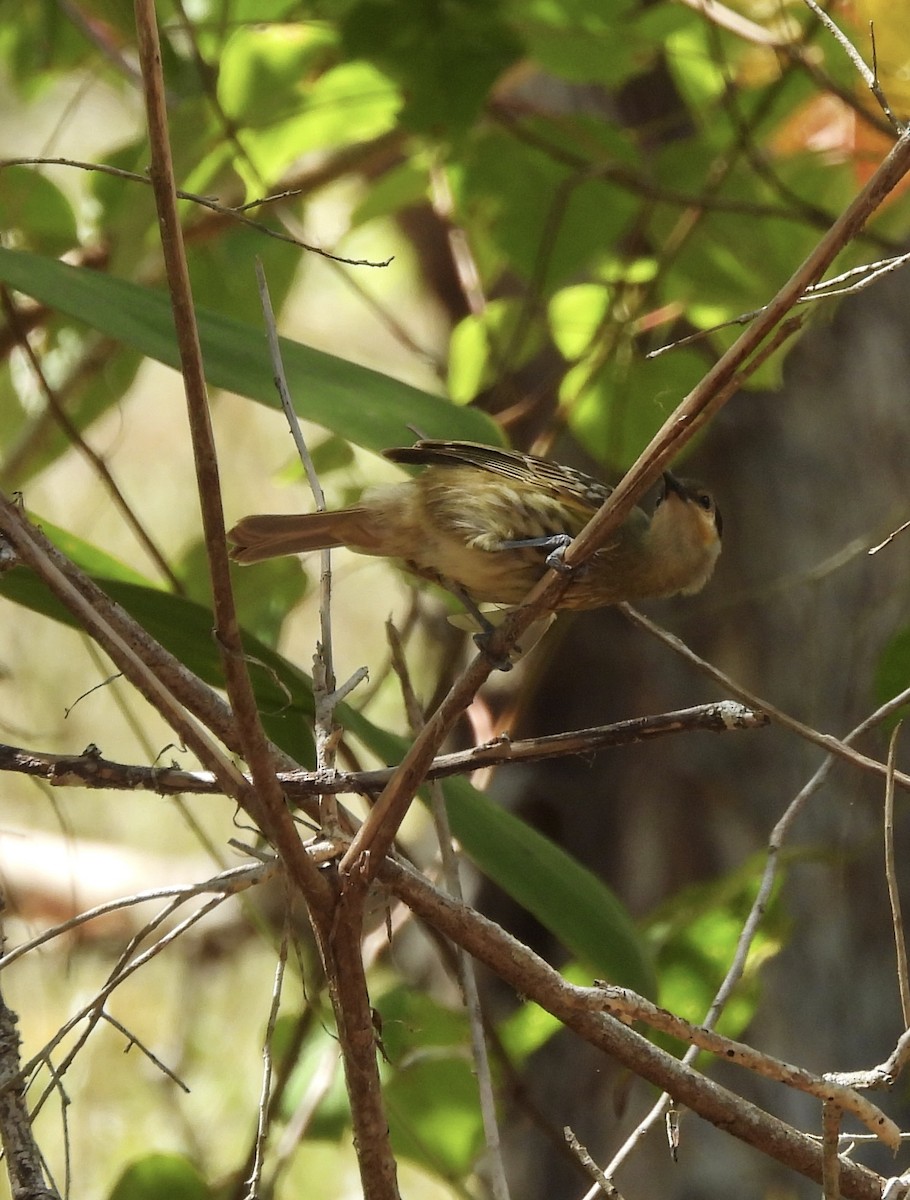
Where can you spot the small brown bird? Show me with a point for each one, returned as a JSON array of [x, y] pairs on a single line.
[[487, 523]]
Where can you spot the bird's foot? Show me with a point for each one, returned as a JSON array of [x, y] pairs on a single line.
[[556, 544]]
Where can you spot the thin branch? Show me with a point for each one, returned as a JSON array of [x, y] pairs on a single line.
[[494, 1166], [325, 696], [831, 1122], [890, 538], [602, 1185], [234, 214], [829, 743], [92, 1010], [826, 289], [91, 770], [894, 897], [869, 77], [629, 1006], [227, 883], [262, 1124], [23, 1158]]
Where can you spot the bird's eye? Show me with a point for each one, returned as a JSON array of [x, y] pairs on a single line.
[[705, 501]]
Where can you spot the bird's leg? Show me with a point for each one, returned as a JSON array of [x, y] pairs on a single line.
[[487, 629], [555, 543]]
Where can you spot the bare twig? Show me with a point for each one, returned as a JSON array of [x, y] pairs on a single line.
[[602, 1185], [325, 696], [890, 538], [262, 1124], [869, 77], [630, 1006], [20, 1150], [228, 883], [832, 745], [495, 1167], [90, 770], [831, 1121], [897, 919], [223, 210], [826, 289]]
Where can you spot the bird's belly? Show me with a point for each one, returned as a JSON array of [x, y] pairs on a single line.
[[494, 576]]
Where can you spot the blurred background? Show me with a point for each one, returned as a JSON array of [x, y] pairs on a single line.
[[557, 190]]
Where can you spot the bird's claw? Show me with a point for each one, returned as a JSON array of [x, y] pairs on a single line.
[[482, 642], [556, 559]]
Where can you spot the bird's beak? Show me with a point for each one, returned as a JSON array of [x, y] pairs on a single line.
[[674, 485]]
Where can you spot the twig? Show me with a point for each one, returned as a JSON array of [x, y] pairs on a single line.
[[826, 289], [92, 1011], [234, 214], [324, 691], [495, 1167], [890, 538], [831, 1120], [133, 1040], [894, 898], [629, 1006], [23, 1158], [262, 1124], [870, 78], [91, 770], [602, 1185], [827, 742]]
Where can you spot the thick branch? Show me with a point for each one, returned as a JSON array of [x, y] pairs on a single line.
[[266, 803]]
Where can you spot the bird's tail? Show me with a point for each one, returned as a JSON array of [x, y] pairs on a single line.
[[269, 535]]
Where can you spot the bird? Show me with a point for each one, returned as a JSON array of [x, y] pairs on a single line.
[[487, 523]]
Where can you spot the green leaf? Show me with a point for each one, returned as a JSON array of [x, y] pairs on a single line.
[[429, 1083], [629, 399], [482, 342], [892, 675], [568, 39], [37, 210], [566, 897], [445, 57], [161, 1177], [367, 408], [353, 102], [694, 935], [184, 627], [546, 220], [262, 70]]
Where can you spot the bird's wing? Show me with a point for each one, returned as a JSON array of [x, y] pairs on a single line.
[[571, 487]]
